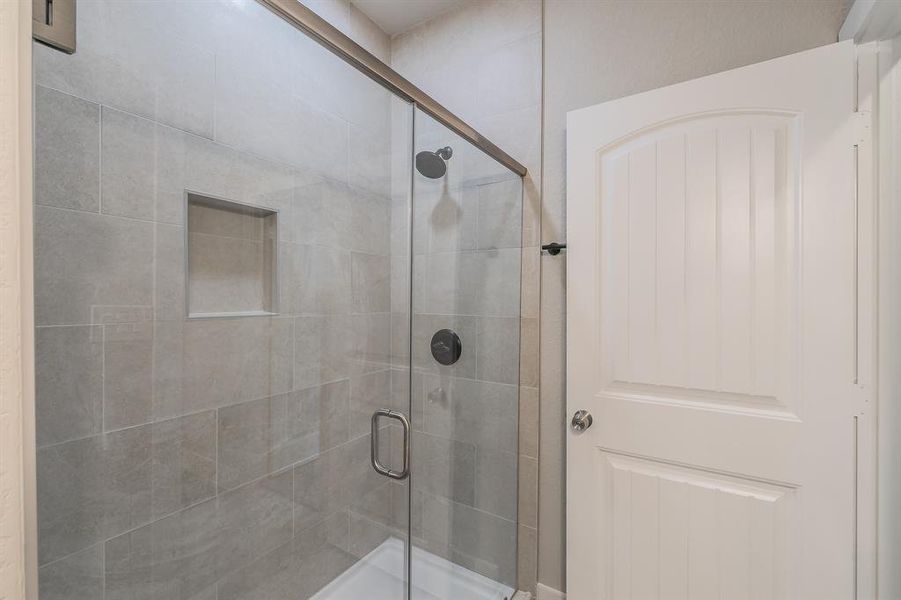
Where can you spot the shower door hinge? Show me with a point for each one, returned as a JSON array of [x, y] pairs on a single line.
[[53, 23], [863, 127]]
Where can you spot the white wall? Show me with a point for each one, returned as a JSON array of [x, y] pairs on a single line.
[[353, 23], [605, 49]]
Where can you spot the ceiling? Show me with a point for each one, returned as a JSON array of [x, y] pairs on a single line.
[[398, 16]]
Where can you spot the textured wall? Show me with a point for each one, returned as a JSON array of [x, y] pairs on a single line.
[[605, 49], [483, 61], [15, 296]]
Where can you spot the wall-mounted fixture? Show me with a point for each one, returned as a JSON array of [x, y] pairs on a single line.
[[53, 23], [446, 347], [553, 248]]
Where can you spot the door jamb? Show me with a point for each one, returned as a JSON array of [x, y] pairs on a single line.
[[18, 524], [866, 278]]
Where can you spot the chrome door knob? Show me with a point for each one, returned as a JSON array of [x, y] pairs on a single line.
[[582, 420]]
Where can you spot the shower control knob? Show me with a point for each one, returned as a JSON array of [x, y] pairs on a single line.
[[582, 420], [446, 347]]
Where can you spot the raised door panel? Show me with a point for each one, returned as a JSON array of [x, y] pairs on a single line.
[[698, 254], [676, 533]]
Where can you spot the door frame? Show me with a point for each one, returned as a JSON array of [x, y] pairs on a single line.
[[18, 526], [876, 28], [867, 322]]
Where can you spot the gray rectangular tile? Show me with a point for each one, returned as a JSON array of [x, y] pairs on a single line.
[[527, 561], [147, 167], [444, 467], [321, 350], [500, 215], [314, 279], [86, 263], [446, 220], [78, 576], [496, 482], [272, 185], [477, 412], [478, 540], [68, 380], [407, 396], [143, 168], [255, 519], [499, 349], [179, 556], [136, 64], [400, 284], [296, 569], [339, 479], [370, 342], [284, 130], [323, 212], [184, 462], [325, 407], [67, 151], [92, 489], [128, 374], [184, 554], [207, 363], [169, 273], [370, 282], [370, 221], [365, 535], [369, 393], [528, 421], [471, 283], [529, 352], [369, 152], [262, 436], [527, 513]]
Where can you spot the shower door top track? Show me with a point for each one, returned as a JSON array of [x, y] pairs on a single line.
[[337, 42]]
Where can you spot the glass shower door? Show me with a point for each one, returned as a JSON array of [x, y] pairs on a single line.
[[464, 364], [213, 224]]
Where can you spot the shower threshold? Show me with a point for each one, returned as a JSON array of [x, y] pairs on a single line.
[[380, 576]]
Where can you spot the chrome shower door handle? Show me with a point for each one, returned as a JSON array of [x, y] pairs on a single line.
[[374, 440]]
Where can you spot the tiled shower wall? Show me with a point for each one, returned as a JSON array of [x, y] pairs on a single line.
[[483, 61], [206, 458]]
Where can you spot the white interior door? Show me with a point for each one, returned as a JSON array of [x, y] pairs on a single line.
[[711, 335]]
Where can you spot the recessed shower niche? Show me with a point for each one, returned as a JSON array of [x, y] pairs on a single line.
[[230, 257]]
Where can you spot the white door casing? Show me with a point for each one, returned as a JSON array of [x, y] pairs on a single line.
[[711, 334]]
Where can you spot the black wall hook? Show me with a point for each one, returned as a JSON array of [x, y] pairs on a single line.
[[553, 248]]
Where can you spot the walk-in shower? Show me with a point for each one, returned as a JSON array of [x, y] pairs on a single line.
[[237, 266]]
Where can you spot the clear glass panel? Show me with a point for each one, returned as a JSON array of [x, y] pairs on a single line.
[[467, 223], [216, 446]]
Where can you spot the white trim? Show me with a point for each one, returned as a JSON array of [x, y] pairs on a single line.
[[548, 593], [867, 244], [18, 556], [889, 339], [872, 20]]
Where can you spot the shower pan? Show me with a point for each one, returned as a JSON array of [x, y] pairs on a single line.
[[277, 351]]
